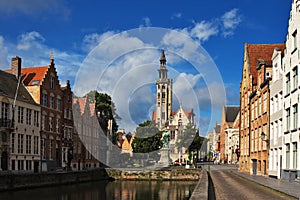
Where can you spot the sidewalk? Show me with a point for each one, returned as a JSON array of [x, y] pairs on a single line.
[[284, 186]]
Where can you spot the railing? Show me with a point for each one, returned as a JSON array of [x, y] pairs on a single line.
[[5, 123]]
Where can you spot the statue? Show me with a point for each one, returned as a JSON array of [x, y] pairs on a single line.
[[165, 139]]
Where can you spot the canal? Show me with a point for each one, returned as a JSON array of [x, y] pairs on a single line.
[[105, 190]]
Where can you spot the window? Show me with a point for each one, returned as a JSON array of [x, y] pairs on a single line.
[[287, 150], [28, 144], [20, 115], [51, 149], [288, 120], [4, 109], [36, 118], [44, 99], [294, 41], [57, 124], [51, 123], [52, 82], [58, 107], [295, 116], [20, 143], [51, 102], [28, 116], [36, 145], [44, 122], [287, 83], [20, 164], [265, 103], [28, 164], [43, 147], [266, 132], [295, 155], [295, 77], [12, 143]]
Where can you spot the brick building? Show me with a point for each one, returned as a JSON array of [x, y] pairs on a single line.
[[88, 147], [43, 84], [254, 104]]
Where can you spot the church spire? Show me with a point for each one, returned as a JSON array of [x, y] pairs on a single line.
[[163, 59]]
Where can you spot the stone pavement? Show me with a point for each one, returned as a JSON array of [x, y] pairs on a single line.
[[291, 188]]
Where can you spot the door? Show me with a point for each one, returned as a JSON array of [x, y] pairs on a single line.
[[254, 166], [280, 166], [4, 160], [36, 166]]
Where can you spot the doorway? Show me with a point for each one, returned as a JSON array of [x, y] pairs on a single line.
[[254, 166]]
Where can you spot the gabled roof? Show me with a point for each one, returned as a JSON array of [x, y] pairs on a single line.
[[34, 75], [188, 114], [231, 112], [8, 88], [257, 52]]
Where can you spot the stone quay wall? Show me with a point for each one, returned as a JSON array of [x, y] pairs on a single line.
[[12, 181], [164, 175]]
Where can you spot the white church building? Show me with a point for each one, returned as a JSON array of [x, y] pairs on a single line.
[[175, 122]]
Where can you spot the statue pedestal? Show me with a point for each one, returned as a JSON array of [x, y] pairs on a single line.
[[165, 160]]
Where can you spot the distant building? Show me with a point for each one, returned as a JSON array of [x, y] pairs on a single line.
[[175, 122], [228, 133], [19, 125], [88, 145]]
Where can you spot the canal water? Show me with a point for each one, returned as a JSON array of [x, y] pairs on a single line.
[[105, 190]]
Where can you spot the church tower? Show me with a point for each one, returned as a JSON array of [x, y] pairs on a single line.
[[163, 94]]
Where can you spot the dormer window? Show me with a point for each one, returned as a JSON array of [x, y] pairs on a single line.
[[35, 82]]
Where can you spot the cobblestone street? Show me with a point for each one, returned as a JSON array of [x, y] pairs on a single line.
[[229, 185]]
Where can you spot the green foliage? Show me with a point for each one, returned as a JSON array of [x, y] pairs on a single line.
[[105, 109], [147, 138], [197, 143]]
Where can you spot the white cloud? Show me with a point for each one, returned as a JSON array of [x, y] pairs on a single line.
[[3, 54], [90, 41], [204, 30], [230, 20], [34, 52], [35, 7], [30, 40]]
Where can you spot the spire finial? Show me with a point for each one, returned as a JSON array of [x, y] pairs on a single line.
[[51, 55]]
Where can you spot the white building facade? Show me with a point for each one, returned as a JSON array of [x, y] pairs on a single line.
[[291, 97], [276, 133]]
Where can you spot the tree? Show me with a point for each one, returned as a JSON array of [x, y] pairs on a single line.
[[147, 138], [106, 111]]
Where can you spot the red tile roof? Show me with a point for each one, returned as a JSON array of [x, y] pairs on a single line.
[[260, 51], [33, 75]]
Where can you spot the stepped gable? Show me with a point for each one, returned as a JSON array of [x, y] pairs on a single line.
[[257, 52]]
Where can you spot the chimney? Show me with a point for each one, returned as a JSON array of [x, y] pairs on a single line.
[[16, 66]]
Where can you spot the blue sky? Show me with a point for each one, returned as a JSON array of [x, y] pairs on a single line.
[[72, 29]]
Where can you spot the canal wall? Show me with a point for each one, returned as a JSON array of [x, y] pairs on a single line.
[[11, 181], [164, 175]]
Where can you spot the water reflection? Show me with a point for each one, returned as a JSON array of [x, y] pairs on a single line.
[[102, 190]]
